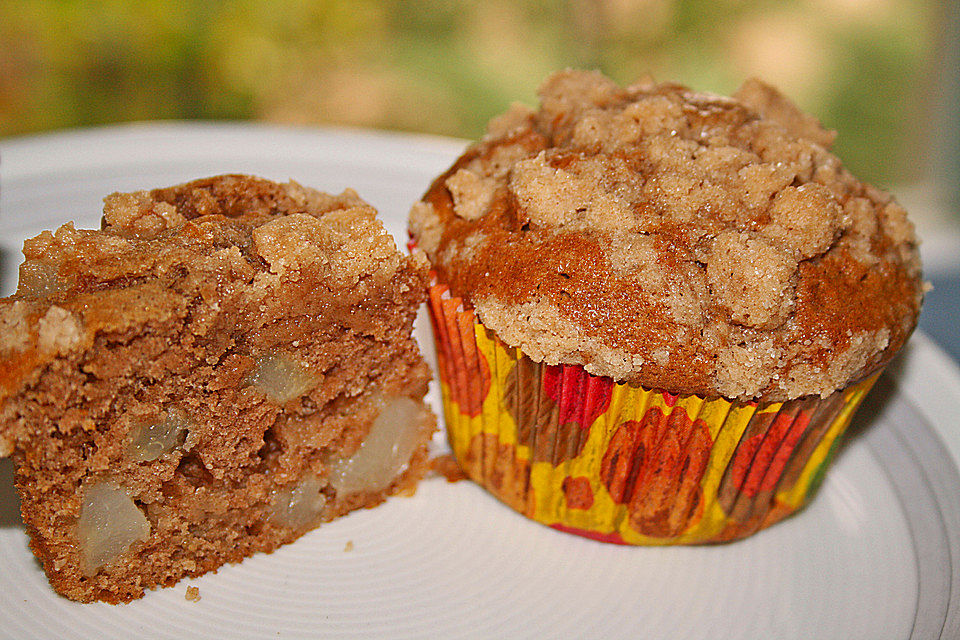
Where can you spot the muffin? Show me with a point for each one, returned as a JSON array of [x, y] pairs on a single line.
[[222, 367], [656, 310]]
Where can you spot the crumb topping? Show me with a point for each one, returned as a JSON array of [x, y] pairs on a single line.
[[230, 237], [699, 243]]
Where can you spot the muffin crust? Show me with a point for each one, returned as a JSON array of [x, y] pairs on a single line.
[[680, 240]]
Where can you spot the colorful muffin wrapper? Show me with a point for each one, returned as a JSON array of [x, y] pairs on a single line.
[[620, 463]]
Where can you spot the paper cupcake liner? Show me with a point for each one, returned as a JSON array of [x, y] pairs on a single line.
[[620, 463]]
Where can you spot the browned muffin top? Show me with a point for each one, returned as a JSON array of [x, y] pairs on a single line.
[[675, 239]]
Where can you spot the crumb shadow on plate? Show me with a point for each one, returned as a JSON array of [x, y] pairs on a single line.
[[9, 500]]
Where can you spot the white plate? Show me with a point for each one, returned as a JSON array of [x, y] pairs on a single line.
[[876, 555]]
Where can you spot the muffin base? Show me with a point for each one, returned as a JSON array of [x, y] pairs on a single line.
[[621, 463]]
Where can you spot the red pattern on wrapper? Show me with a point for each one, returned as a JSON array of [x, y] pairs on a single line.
[[655, 467], [578, 493], [613, 538], [669, 399], [581, 397], [553, 408], [623, 464], [455, 326], [760, 459]]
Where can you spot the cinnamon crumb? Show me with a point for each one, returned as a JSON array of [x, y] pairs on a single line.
[[446, 465]]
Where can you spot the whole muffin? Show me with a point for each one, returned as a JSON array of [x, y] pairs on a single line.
[[657, 309]]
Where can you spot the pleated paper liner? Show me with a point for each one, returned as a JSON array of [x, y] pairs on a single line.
[[620, 463]]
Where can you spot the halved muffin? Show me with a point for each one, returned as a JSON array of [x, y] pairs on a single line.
[[222, 367]]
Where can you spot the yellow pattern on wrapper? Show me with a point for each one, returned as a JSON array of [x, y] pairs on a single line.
[[620, 463]]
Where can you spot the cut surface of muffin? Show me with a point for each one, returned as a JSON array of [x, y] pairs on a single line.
[[679, 240], [222, 367]]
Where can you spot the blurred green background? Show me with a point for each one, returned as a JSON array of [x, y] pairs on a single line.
[[867, 68]]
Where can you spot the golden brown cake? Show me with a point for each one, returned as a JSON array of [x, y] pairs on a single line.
[[622, 251], [222, 367]]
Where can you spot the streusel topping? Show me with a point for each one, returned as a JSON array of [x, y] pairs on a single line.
[[241, 235], [675, 239]]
